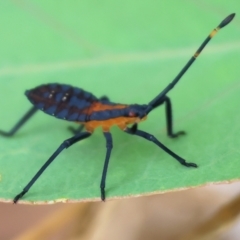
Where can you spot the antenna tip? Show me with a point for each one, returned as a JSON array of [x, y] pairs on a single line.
[[227, 20]]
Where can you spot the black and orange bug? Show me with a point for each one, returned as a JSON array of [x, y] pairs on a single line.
[[74, 104]]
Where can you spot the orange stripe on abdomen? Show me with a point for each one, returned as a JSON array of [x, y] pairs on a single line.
[[98, 106], [121, 122]]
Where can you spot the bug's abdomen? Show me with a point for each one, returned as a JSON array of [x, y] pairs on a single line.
[[62, 101]]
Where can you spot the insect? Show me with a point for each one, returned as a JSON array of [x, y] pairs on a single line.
[[76, 105]]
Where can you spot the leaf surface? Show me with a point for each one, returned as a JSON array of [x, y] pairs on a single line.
[[128, 51]]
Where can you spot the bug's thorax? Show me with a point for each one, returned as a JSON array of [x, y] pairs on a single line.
[[121, 122], [119, 115], [102, 106]]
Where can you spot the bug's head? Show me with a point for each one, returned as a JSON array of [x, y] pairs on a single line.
[[136, 111]]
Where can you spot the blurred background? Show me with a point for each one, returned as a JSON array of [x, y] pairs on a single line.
[[121, 48]]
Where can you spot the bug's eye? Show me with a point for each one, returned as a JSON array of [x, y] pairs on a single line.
[[132, 114]]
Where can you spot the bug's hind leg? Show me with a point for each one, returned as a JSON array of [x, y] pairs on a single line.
[[109, 146], [151, 138], [20, 123], [76, 130], [169, 117], [81, 127], [66, 144]]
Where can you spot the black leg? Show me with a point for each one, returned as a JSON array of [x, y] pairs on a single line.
[[151, 138], [28, 115], [76, 131], [109, 146], [80, 128], [133, 128], [104, 98], [169, 117], [67, 143]]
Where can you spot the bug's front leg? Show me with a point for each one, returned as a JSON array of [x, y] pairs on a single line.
[[151, 138], [109, 145], [20, 123], [169, 117]]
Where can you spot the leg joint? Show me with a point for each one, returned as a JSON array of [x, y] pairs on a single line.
[[151, 138], [66, 144]]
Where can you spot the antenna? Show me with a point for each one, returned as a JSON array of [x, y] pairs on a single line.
[[151, 104]]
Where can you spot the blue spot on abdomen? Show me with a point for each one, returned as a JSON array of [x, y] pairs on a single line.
[[73, 117], [51, 110], [63, 114]]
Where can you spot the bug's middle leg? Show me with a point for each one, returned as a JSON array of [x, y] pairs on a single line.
[[169, 117], [109, 145]]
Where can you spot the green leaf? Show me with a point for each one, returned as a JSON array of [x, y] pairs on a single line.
[[128, 51]]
